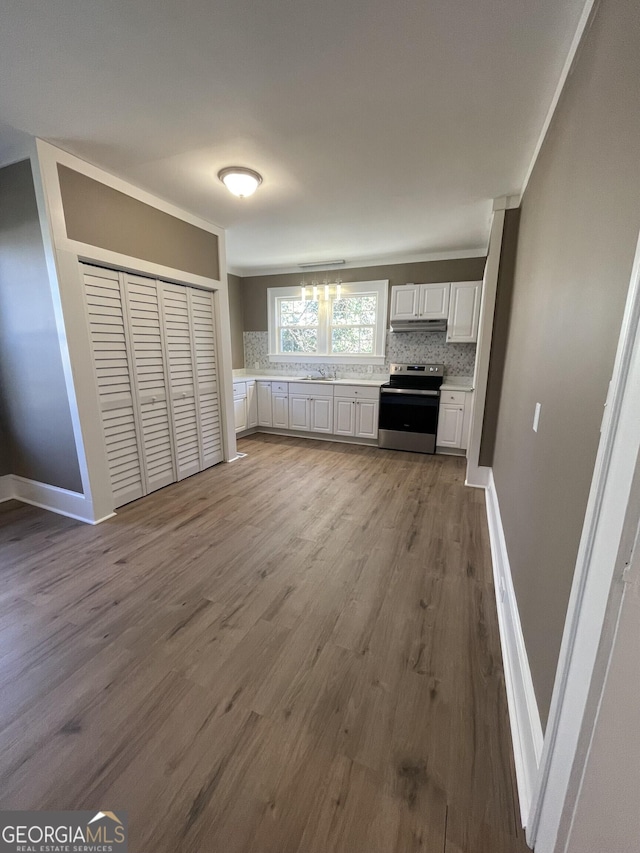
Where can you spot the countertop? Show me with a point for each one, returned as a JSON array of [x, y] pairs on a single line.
[[453, 383], [270, 377]]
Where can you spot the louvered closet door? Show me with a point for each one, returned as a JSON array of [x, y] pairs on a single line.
[[108, 330], [182, 378], [204, 349], [151, 384]]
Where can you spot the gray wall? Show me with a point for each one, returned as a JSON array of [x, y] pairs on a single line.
[[254, 288], [500, 335], [36, 416], [101, 216], [578, 232], [237, 321], [5, 462]]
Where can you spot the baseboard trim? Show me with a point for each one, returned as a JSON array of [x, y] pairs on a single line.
[[477, 476], [53, 498], [526, 728]]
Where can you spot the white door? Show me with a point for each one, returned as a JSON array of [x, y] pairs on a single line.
[[321, 414], [252, 404], [464, 311], [114, 377], [434, 301], [367, 418], [280, 406], [298, 412], [182, 379], [344, 416], [450, 420], [265, 417], [151, 381], [240, 413], [405, 302], [205, 358]]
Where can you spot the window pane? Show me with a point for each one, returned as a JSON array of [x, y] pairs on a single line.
[[298, 340], [295, 312], [352, 340], [353, 310]]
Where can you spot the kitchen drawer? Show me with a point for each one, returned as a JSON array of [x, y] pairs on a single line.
[[457, 397], [310, 389], [239, 389], [279, 387], [363, 392]]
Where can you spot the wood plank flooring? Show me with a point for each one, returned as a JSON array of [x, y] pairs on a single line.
[[293, 653]]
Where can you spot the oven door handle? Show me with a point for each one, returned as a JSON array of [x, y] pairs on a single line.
[[415, 392]]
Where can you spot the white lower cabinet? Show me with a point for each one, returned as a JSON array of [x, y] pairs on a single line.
[[265, 411], [240, 413], [321, 414], [280, 404], [367, 418], [349, 410], [356, 411], [240, 406], [454, 418], [344, 416], [252, 404], [310, 412], [299, 417]]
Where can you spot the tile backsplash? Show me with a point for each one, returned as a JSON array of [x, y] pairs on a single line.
[[409, 347]]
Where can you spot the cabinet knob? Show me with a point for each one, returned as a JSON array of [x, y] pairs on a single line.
[[153, 399]]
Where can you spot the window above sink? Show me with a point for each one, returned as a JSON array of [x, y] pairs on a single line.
[[335, 328]]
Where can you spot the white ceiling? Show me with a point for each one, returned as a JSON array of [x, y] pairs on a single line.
[[382, 129]]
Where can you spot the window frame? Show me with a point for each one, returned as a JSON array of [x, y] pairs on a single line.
[[378, 288]]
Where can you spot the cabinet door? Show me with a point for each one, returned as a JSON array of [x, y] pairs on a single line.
[[280, 404], [298, 412], [147, 349], [434, 301], [240, 413], [182, 379], [252, 405], [344, 416], [367, 418], [450, 420], [464, 311], [265, 416], [114, 377], [405, 302], [205, 359], [321, 411]]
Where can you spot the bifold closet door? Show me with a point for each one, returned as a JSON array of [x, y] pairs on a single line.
[[204, 353], [182, 378], [151, 382], [109, 341]]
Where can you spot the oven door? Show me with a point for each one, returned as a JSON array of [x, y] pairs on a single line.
[[408, 419]]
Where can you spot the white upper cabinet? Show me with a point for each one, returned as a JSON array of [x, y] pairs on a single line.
[[434, 301], [464, 312], [405, 302], [420, 301]]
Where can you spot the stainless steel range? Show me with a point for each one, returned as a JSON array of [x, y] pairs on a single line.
[[409, 404]]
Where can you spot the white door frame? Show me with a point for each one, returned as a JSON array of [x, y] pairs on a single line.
[[610, 526]]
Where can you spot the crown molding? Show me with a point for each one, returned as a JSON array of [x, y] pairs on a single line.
[[386, 260], [586, 18]]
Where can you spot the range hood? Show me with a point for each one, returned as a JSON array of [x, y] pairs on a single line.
[[418, 325]]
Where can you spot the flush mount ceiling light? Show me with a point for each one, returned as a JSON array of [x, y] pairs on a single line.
[[240, 181]]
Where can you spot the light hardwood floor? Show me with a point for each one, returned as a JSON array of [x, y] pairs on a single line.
[[294, 653]]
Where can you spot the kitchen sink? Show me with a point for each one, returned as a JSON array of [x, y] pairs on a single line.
[[313, 379]]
